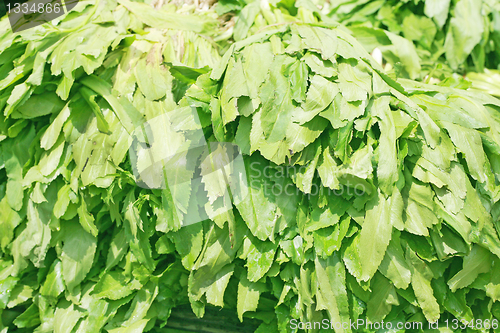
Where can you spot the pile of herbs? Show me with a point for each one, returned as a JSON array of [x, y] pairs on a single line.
[[459, 36], [371, 195], [417, 38]]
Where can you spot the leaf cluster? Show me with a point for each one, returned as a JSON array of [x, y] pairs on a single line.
[[370, 195]]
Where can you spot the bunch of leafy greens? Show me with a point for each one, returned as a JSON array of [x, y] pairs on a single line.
[[78, 247], [370, 196], [448, 35], [417, 38], [410, 244]]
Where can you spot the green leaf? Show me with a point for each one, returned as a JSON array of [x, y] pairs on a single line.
[[487, 238], [117, 249], [321, 40], [421, 277], [375, 236], [86, 219], [448, 243], [320, 94], [465, 32], [437, 9], [354, 84], [89, 97], [162, 19], [493, 287], [50, 136], [468, 141], [258, 59], [219, 70], [245, 20], [276, 103], [478, 261], [430, 128], [387, 170], [328, 215], [331, 281], [304, 179], [114, 285], [259, 257], [351, 257], [187, 74], [407, 54], [188, 243], [217, 253], [215, 292], [394, 266], [258, 207], [139, 309], [153, 79], [319, 66], [294, 249], [452, 111], [358, 170], [14, 159], [63, 199], [328, 240], [19, 95], [28, 318], [20, 294], [9, 220], [235, 85], [49, 160], [297, 73], [33, 242], [99, 311], [54, 284], [248, 295], [77, 254], [217, 173], [420, 213], [327, 171], [382, 299], [420, 29], [39, 105], [6, 285], [454, 302], [65, 318], [137, 233], [129, 117]]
